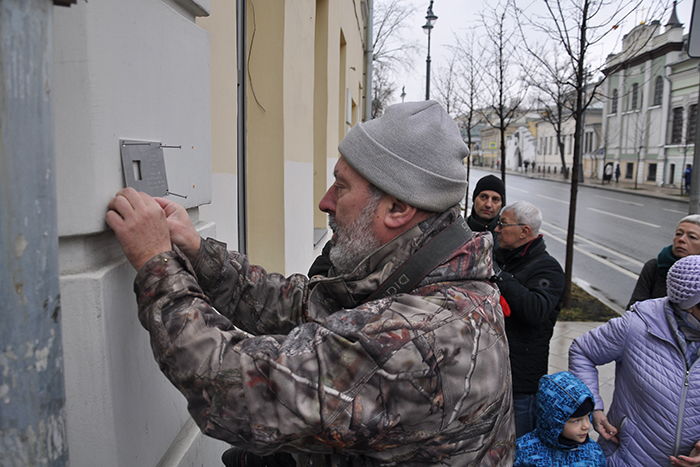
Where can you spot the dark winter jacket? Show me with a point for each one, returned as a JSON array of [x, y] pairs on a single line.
[[558, 397], [652, 279], [478, 226], [311, 367], [532, 282]]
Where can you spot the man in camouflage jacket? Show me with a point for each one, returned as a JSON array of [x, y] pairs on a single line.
[[317, 367]]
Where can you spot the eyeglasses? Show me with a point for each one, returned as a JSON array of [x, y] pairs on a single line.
[[501, 224]]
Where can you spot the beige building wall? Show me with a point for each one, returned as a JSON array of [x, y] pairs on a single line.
[[304, 92], [221, 25]]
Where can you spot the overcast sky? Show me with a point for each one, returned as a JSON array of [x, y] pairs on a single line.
[[458, 16]]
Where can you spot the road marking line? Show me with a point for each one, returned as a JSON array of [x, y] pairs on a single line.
[[596, 257], [619, 200], [553, 199], [512, 188], [626, 218], [579, 238], [674, 211]]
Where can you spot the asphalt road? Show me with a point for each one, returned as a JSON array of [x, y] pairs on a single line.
[[616, 232]]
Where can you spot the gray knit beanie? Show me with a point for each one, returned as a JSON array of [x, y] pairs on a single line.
[[683, 282], [413, 152]]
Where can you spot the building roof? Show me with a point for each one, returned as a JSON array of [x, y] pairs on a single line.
[[673, 19]]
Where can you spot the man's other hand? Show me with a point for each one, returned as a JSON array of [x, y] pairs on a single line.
[[182, 232], [140, 225]]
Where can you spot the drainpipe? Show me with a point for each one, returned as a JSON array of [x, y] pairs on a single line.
[[694, 204], [664, 123], [32, 390], [369, 58], [241, 46]]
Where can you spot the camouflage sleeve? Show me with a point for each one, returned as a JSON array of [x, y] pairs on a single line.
[[411, 377], [252, 299]]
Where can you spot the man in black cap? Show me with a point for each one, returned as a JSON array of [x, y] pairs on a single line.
[[489, 197]]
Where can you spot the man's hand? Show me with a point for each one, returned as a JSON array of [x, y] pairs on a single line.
[[140, 226], [603, 426], [182, 232], [688, 461]]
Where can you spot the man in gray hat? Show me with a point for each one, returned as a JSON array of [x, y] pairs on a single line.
[[398, 357]]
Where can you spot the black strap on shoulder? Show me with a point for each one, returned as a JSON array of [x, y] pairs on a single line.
[[426, 259]]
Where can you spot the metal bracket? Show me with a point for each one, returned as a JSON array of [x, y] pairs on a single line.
[[144, 167]]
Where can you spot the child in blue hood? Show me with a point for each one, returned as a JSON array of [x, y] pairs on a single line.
[[564, 406]]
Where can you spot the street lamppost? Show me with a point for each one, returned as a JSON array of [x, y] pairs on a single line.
[[430, 19]]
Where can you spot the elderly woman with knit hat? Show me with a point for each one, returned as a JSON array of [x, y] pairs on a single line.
[[654, 417], [652, 279]]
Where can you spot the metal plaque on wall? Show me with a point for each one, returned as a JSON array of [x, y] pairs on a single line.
[[144, 166]]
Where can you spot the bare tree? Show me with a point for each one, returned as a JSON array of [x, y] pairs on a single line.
[[578, 25], [382, 89], [550, 78], [391, 49], [505, 90], [471, 90], [449, 88]]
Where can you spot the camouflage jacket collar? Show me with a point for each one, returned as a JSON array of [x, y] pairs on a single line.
[[350, 290]]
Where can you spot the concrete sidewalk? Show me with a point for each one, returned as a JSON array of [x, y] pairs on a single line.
[[564, 334]]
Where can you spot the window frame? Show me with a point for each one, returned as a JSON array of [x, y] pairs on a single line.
[[658, 91], [676, 133]]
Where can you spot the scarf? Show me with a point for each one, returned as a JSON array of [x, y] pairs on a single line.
[[665, 260], [686, 330]]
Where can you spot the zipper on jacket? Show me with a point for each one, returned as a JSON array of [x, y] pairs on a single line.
[[684, 392], [681, 409]]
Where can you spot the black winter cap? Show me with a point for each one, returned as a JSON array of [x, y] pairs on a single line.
[[491, 183]]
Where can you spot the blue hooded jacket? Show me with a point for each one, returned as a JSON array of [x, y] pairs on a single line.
[[558, 397]]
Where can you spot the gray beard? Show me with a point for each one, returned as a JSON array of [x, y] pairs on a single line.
[[354, 242]]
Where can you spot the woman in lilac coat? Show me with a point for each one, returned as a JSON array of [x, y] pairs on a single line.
[[654, 418]]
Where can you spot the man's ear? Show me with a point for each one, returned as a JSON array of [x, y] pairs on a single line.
[[398, 214]]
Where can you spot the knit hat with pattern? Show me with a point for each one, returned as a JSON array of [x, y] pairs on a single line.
[[413, 152], [683, 282]]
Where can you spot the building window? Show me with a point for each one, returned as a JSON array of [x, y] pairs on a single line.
[[677, 126], [613, 102], [672, 174], [629, 170], [692, 124], [635, 95], [587, 142], [658, 90], [651, 174]]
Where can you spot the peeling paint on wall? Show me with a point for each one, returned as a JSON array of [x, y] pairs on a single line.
[[34, 445]]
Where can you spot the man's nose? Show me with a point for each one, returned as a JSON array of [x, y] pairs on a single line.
[[327, 203]]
